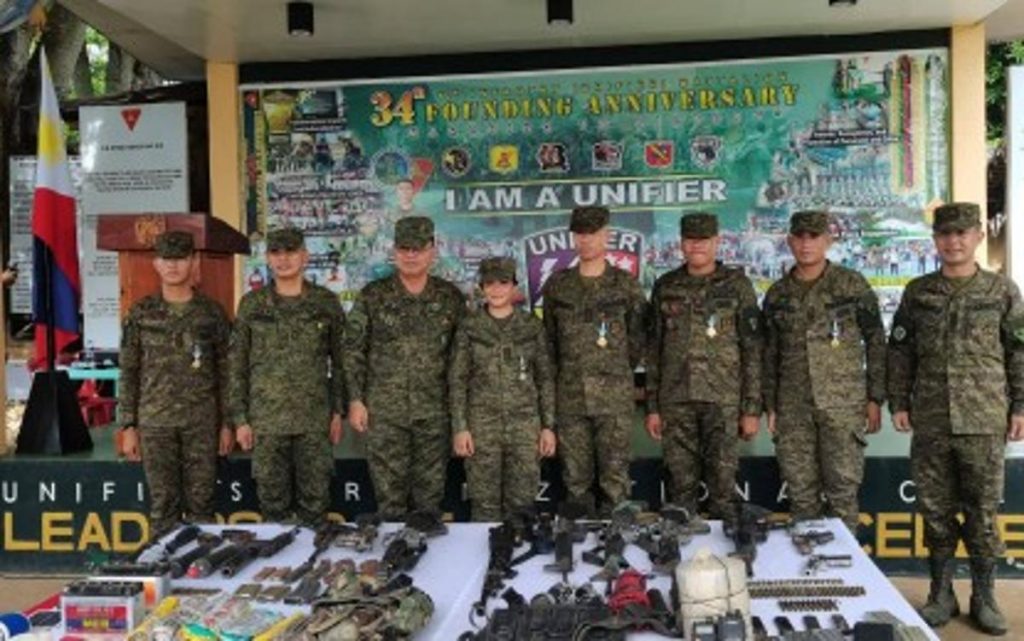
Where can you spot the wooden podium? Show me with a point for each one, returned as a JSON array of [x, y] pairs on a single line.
[[132, 236]]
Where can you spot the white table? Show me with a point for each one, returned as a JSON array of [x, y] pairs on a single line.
[[453, 569]]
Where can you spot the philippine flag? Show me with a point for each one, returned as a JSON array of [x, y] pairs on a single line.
[[55, 258]]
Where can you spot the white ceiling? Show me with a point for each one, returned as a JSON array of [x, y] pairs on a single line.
[[175, 36]]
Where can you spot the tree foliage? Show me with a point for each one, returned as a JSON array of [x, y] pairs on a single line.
[[1001, 56], [84, 64]]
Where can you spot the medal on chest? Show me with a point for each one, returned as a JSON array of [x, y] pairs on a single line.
[[197, 356], [712, 326], [833, 333], [522, 368], [602, 334]]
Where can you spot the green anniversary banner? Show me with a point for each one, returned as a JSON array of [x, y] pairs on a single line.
[[498, 161]]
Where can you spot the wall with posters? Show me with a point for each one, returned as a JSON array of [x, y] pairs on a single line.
[[498, 161]]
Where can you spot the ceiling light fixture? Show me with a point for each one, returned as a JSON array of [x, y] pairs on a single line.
[[300, 18], [560, 12]]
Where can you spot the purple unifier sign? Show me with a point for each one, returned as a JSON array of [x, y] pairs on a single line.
[[552, 250]]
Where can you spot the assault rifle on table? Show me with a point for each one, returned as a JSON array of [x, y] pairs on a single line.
[[502, 543], [153, 558], [748, 527], [250, 548]]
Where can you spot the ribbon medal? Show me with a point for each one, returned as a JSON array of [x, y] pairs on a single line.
[[522, 368], [712, 322], [197, 356], [834, 333], [602, 335]]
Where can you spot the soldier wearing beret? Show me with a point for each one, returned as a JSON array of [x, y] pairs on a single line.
[[502, 393], [398, 340], [595, 320], [956, 377], [287, 389], [172, 388], [703, 368], [824, 374]]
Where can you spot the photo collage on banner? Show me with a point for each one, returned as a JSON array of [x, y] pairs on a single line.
[[499, 160]]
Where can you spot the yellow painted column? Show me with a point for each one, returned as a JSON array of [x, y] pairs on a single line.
[[3, 375], [224, 119], [969, 160]]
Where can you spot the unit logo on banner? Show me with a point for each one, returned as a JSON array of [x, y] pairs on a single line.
[[504, 159], [660, 153], [131, 117], [552, 250], [455, 161], [606, 155], [704, 151], [552, 157], [390, 165]]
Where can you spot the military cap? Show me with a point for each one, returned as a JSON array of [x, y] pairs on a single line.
[[587, 220], [956, 217], [286, 239], [809, 222], [497, 268], [414, 232], [698, 225], [174, 244]]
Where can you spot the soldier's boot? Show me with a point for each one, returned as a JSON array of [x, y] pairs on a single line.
[[985, 611], [942, 604]]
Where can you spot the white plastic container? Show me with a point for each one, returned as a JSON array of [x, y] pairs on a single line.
[[711, 587]]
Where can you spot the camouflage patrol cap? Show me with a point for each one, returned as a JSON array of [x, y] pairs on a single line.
[[809, 222], [286, 239], [174, 244], [587, 220], [956, 217], [414, 232], [497, 269], [698, 224]]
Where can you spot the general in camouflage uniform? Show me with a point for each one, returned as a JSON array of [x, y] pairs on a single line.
[[594, 316], [502, 393], [287, 391], [824, 369], [398, 339], [956, 373], [173, 373], [703, 368]]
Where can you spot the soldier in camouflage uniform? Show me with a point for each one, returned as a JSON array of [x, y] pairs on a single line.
[[397, 340], [287, 392], [173, 373], [595, 319], [502, 393], [703, 368], [956, 374], [824, 373]]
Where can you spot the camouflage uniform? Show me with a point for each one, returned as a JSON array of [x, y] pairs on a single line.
[[824, 358], [596, 328], [956, 364], [286, 384], [502, 390], [396, 362], [703, 372], [173, 375]]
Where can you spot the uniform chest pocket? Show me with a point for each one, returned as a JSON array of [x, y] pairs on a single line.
[[155, 336], [781, 315], [673, 312], [984, 323], [841, 320], [721, 315], [263, 332]]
